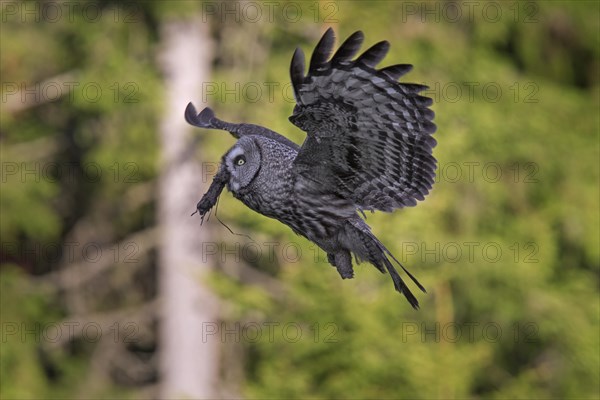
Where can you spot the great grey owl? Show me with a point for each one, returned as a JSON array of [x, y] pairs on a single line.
[[368, 147]]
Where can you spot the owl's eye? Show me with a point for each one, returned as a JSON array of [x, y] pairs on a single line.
[[239, 160]]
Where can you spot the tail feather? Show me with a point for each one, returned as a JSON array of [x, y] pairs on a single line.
[[400, 285], [405, 270], [377, 254]]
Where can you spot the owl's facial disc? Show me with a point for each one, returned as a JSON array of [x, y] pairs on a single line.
[[242, 162]]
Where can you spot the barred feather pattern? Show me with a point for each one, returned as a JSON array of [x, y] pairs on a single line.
[[368, 135]]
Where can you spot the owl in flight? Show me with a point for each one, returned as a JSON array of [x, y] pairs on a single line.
[[368, 147]]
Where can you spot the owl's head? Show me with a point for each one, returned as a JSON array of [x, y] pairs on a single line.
[[242, 162]]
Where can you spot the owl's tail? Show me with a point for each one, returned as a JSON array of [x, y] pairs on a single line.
[[372, 250]]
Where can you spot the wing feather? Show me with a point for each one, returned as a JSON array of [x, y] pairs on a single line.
[[323, 51], [368, 135], [375, 54], [349, 48], [396, 71], [297, 71]]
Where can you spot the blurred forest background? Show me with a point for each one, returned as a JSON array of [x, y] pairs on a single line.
[[507, 244]]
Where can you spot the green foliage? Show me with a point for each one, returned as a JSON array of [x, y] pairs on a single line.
[[76, 157], [21, 335]]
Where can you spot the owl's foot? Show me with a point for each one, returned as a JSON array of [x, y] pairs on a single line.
[[204, 205], [210, 198]]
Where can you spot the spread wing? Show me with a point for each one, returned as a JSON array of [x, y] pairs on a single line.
[[368, 136]]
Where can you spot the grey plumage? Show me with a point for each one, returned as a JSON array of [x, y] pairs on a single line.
[[368, 147]]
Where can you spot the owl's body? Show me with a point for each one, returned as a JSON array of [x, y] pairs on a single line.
[[368, 147], [276, 192]]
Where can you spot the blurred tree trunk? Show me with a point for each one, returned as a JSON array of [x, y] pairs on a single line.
[[189, 362]]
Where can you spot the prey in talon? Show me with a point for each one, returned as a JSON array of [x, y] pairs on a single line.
[[211, 197]]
